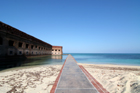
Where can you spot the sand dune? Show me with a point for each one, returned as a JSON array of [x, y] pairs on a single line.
[[116, 79], [30, 80]]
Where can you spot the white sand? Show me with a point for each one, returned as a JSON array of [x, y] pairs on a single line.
[[29, 80], [115, 78]]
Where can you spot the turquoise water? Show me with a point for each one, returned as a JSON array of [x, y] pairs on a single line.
[[89, 58], [46, 60], [98, 58]]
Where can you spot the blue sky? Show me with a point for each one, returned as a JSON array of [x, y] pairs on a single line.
[[80, 26]]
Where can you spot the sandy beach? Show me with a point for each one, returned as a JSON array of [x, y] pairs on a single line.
[[115, 78], [38, 79]]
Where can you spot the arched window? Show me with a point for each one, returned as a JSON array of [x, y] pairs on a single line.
[[1, 40]]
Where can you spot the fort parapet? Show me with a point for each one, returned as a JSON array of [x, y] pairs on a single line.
[[14, 42]]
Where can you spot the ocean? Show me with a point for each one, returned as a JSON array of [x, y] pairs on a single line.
[[87, 58], [107, 58], [35, 61]]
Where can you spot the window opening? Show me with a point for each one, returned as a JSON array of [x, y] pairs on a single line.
[[27, 45], [1, 40], [20, 52], [32, 46], [11, 52], [11, 43], [19, 44]]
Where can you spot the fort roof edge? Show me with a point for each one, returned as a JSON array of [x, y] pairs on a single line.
[[57, 47], [13, 28]]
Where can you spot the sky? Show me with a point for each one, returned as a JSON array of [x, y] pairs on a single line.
[[80, 26]]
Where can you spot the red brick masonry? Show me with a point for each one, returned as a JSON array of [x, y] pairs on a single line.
[[95, 83], [57, 47]]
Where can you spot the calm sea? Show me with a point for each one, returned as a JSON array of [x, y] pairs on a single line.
[[89, 58], [35, 61], [98, 58]]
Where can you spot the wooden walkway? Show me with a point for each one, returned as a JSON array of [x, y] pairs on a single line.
[[73, 80]]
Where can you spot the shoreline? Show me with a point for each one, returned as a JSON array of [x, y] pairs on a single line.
[[111, 65], [25, 67], [97, 63]]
